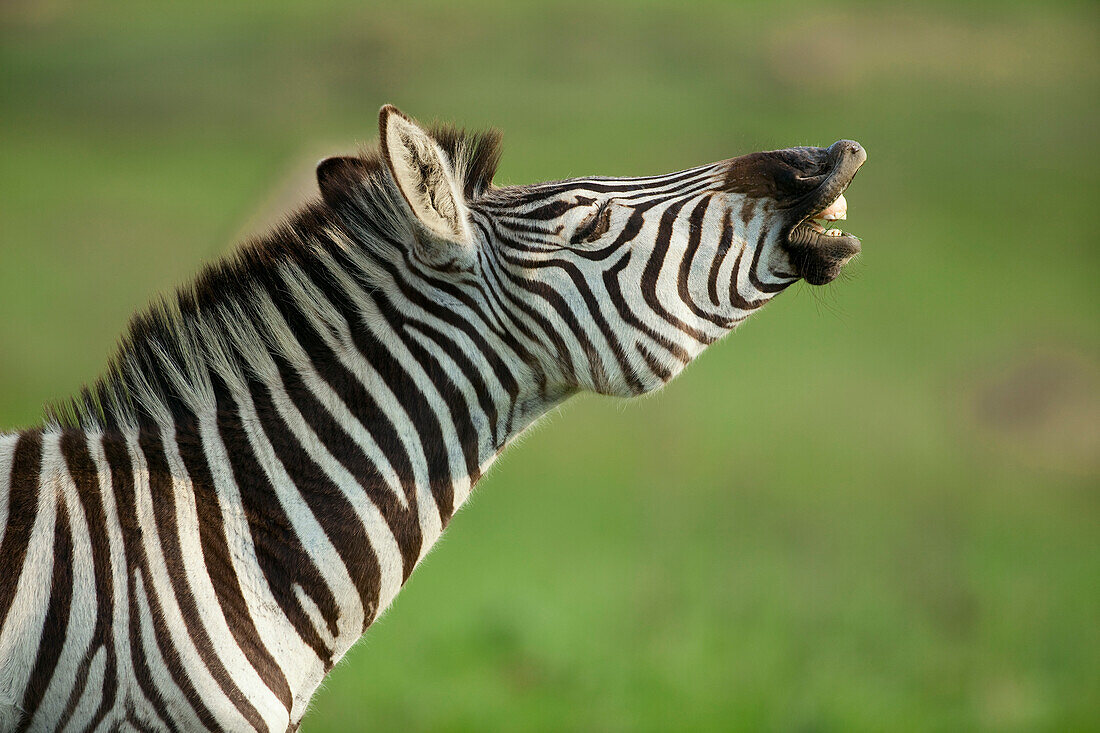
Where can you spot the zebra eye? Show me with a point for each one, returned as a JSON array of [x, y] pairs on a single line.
[[594, 225]]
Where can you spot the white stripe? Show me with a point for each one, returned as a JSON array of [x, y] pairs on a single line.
[[93, 693], [379, 534], [293, 352], [473, 351], [7, 455], [310, 534], [19, 639], [352, 360], [82, 606], [128, 689], [296, 658], [208, 688], [313, 612], [212, 617], [179, 710]]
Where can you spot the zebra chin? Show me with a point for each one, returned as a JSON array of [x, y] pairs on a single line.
[[818, 258]]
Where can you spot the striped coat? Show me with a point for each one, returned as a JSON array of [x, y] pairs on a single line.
[[198, 537]]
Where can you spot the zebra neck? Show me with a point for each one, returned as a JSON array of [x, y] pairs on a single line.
[[288, 507], [364, 434], [286, 447]]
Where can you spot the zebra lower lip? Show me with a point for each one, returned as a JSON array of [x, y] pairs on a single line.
[[809, 231], [818, 253]]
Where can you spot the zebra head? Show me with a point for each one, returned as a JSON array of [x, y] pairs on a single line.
[[615, 284]]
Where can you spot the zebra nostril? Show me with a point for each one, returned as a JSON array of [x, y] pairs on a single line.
[[846, 149]]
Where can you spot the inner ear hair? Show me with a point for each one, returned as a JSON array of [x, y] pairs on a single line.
[[424, 176]]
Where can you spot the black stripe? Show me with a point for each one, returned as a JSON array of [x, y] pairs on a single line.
[[594, 312], [465, 365], [753, 276], [358, 401], [162, 488], [736, 299], [325, 500], [611, 283], [361, 403], [519, 196], [56, 623], [282, 559], [508, 283], [26, 466], [691, 249], [142, 726], [551, 210], [219, 563], [430, 295], [162, 639], [629, 232], [497, 293], [652, 273], [654, 363], [403, 521], [695, 234], [85, 476], [437, 375], [429, 430], [117, 453], [725, 242]]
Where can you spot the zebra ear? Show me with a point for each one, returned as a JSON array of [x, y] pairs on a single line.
[[337, 176], [424, 176]]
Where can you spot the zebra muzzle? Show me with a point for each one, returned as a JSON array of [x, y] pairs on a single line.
[[818, 253]]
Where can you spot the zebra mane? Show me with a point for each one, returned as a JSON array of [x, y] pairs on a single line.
[[225, 325]]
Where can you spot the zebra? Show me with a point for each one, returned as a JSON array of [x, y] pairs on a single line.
[[193, 541]]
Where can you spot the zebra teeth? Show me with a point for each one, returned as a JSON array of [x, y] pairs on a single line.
[[834, 233], [835, 211]]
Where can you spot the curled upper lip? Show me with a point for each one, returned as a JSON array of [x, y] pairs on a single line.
[[846, 156]]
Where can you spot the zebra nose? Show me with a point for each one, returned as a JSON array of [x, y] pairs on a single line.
[[849, 149]]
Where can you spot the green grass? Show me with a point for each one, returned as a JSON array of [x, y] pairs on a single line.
[[874, 507]]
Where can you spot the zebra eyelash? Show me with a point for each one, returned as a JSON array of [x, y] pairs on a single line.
[[594, 225]]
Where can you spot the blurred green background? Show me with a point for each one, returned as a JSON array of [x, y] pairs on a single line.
[[876, 506]]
